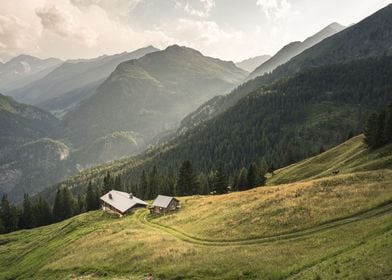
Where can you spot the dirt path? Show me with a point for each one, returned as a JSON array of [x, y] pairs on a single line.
[[386, 209]]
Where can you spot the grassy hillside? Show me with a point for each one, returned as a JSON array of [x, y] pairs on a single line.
[[350, 156], [336, 227]]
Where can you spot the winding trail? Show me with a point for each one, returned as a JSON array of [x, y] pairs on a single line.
[[142, 217]]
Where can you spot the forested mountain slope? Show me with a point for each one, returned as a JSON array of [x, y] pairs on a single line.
[[29, 162], [281, 124], [370, 37], [288, 120], [22, 123]]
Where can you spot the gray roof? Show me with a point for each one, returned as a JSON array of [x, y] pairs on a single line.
[[163, 201], [121, 200]]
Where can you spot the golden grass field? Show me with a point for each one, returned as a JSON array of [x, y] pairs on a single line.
[[207, 238]]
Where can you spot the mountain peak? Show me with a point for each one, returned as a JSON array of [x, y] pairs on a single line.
[[336, 26]]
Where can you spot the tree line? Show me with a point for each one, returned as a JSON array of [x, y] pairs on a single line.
[[188, 181], [378, 128]]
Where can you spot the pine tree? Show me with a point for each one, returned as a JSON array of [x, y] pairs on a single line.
[[80, 205], [118, 184], [67, 204], [242, 180], [153, 186], [9, 215], [144, 191], [57, 206], [374, 130], [90, 198], [187, 179], [388, 125], [2, 227], [107, 183], [42, 213], [220, 182], [27, 219], [252, 175]]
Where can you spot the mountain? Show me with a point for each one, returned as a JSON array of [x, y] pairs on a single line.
[[370, 37], [293, 49], [24, 69], [73, 81], [29, 162], [252, 63], [33, 166], [278, 124], [286, 121], [22, 123], [327, 228], [149, 95]]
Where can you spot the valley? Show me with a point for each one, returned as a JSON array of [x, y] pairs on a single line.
[[156, 140], [302, 230]]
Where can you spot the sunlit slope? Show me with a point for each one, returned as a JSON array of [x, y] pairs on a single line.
[[350, 156], [336, 227]]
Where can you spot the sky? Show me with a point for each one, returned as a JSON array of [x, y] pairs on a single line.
[[227, 29]]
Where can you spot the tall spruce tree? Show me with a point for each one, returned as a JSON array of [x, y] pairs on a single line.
[[220, 181], [67, 204], [187, 180], [242, 183], [107, 183], [42, 213], [27, 219], [57, 206], [90, 198], [9, 215], [374, 130], [144, 191], [252, 175], [153, 183], [388, 125]]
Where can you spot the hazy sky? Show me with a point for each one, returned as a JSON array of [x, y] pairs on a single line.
[[228, 29]]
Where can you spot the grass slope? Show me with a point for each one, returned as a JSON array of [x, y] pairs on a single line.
[[350, 156], [336, 227]]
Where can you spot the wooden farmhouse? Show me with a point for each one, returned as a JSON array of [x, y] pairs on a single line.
[[164, 204], [120, 203]]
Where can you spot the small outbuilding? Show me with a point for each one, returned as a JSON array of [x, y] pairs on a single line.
[[164, 204], [120, 203]]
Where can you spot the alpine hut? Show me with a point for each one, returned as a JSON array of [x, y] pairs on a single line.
[[164, 204], [120, 203]]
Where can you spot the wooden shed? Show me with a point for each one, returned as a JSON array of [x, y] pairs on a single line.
[[120, 203], [164, 204]]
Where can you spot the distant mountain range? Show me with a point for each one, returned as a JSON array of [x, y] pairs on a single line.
[[316, 100], [146, 96], [252, 63], [22, 123], [24, 69], [72, 82], [309, 102], [293, 49], [28, 160]]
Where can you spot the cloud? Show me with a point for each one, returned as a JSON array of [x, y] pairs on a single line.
[[116, 8], [274, 9], [16, 36], [62, 23], [204, 35], [203, 11]]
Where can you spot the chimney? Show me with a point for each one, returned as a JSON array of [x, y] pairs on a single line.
[[110, 196], [131, 195]]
